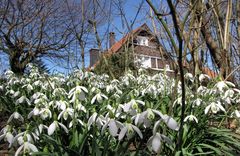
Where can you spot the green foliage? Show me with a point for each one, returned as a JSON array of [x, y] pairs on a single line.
[[116, 63]]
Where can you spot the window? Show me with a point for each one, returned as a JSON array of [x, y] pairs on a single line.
[[146, 62], [141, 40], [167, 67]]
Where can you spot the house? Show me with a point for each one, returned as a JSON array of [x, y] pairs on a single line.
[[145, 47]]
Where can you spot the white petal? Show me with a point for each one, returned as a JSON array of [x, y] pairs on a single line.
[[113, 129], [221, 107], [9, 137], [52, 128], [93, 99], [32, 147], [207, 109], [122, 133], [19, 150], [156, 143], [64, 127], [138, 131], [237, 113], [171, 123]]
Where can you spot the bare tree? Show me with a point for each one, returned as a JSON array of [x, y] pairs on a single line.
[[32, 29]]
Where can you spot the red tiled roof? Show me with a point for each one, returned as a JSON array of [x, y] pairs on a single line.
[[116, 46], [209, 72]]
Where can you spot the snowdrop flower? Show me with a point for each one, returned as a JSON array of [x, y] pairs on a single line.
[[128, 130], [201, 90], [156, 140], [78, 121], [56, 125], [45, 113], [197, 102], [39, 129], [203, 77], [17, 116], [27, 147], [169, 121], [95, 119], [223, 84], [28, 86], [35, 112], [61, 104], [80, 107], [77, 92], [99, 98], [215, 107], [7, 135], [16, 94], [191, 118], [178, 101], [132, 105], [189, 76], [145, 117], [23, 99], [65, 113], [113, 127], [37, 83]]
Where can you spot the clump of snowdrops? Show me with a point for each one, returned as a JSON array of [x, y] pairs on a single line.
[[88, 114]]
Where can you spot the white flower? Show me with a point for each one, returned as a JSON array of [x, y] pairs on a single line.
[[132, 105], [99, 98], [45, 113], [17, 116], [113, 126], [35, 112], [128, 130], [65, 113], [61, 104], [215, 107], [191, 118], [171, 123], [78, 120], [77, 92], [223, 84], [203, 77], [197, 102], [95, 119], [56, 125], [27, 147], [189, 76], [155, 141], [145, 117], [23, 99]]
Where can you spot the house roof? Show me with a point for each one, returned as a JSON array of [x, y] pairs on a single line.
[[209, 72], [116, 46]]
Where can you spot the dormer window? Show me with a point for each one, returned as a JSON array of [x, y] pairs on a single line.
[[141, 40]]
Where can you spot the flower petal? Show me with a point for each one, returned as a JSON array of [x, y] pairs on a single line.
[[156, 143], [122, 133], [52, 128]]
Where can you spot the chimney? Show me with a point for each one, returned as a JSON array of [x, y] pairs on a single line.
[[94, 56], [111, 39]]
